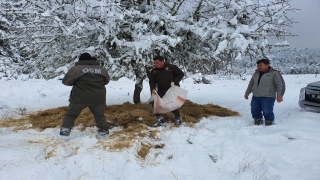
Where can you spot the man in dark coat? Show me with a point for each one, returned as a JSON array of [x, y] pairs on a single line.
[[88, 81], [160, 80]]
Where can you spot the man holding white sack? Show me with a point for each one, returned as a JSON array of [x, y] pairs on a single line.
[[160, 80]]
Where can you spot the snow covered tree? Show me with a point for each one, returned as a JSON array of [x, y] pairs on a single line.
[[203, 35], [8, 55], [4, 43], [53, 33], [198, 35]]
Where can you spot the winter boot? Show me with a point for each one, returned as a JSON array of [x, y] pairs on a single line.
[[177, 120], [258, 122], [102, 133], [65, 131], [268, 123], [159, 121]]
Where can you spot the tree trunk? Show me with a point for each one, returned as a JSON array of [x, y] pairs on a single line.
[[136, 93]]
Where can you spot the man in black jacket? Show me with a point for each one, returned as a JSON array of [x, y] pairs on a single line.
[[160, 81], [88, 81]]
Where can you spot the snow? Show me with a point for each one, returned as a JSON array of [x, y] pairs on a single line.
[[284, 43], [215, 148], [46, 13]]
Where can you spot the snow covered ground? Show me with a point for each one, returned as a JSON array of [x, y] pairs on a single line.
[[215, 148]]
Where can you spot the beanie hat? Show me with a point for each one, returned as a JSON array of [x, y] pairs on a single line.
[[85, 56], [160, 58]]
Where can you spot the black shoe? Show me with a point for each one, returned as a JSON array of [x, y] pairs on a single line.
[[258, 122], [177, 120], [65, 131], [268, 123], [159, 121], [102, 133]]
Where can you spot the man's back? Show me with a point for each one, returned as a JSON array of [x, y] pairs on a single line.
[[88, 80]]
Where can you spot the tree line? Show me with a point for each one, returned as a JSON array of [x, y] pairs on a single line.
[[42, 39]]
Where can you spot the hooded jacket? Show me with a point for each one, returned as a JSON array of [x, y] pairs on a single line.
[[88, 80], [271, 84], [162, 77]]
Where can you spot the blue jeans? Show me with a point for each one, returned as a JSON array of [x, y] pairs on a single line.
[[262, 106]]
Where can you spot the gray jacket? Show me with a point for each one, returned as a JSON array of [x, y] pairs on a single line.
[[271, 84]]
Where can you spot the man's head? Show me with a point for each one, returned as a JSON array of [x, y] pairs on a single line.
[[85, 56], [158, 61], [263, 65]]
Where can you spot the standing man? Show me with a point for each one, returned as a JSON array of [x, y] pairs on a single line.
[[88, 81], [266, 85], [160, 80]]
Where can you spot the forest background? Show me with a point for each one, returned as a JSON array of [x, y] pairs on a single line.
[[43, 39]]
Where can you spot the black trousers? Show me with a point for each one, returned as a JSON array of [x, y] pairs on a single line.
[[175, 112], [75, 109]]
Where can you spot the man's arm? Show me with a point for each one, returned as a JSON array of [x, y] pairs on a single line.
[[280, 84], [152, 81], [70, 77], [248, 91], [179, 75]]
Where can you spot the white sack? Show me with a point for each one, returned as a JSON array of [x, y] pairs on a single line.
[[172, 100]]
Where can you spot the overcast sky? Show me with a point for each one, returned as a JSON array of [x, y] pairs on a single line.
[[308, 26]]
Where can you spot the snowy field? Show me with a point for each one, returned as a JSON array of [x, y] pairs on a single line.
[[219, 148]]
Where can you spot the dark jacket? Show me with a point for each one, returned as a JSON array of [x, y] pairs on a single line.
[[88, 80], [271, 84], [163, 77]]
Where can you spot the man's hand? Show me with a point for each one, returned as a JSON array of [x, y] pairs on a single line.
[[154, 91], [246, 96], [279, 99]]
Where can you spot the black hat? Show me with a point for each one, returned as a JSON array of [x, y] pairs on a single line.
[[85, 56], [160, 58]]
